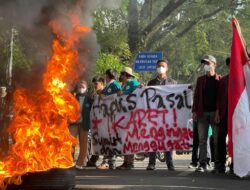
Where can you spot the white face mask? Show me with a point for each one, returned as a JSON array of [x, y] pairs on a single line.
[[207, 68], [161, 70], [82, 90]]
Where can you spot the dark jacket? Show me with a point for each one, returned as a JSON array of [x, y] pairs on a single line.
[[85, 111], [222, 97], [198, 94]]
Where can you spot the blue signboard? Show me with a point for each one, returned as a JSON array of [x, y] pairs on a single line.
[[146, 61]]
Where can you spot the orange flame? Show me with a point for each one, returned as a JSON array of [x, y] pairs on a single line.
[[40, 127]]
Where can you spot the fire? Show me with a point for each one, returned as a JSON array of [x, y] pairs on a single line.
[[41, 139]]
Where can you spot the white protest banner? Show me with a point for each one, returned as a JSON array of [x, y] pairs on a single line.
[[150, 119]]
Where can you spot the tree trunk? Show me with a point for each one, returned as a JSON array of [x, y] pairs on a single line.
[[133, 26]]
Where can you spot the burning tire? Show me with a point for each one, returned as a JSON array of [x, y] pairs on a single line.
[[55, 179]]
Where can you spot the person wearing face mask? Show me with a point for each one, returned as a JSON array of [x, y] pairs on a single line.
[[129, 84], [112, 87], [98, 84], [161, 79], [204, 107], [82, 125]]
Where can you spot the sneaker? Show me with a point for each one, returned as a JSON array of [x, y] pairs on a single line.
[[150, 167], [211, 165], [193, 166], [201, 169], [103, 166], [171, 168], [124, 165], [80, 167]]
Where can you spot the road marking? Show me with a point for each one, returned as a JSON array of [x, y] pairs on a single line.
[[104, 186]]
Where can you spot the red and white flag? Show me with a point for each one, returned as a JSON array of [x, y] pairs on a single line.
[[239, 104]]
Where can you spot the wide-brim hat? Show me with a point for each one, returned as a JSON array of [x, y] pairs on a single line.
[[208, 58], [129, 71]]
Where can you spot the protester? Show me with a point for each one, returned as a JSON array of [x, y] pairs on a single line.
[[129, 85], [82, 125], [161, 79], [112, 87], [221, 121], [99, 85], [98, 88], [204, 107]]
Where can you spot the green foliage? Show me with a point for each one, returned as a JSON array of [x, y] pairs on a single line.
[[191, 30], [20, 60], [200, 34], [108, 61], [111, 31], [110, 28], [3, 61], [196, 28]]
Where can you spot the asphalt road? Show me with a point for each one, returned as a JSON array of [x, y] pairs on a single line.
[[138, 178]]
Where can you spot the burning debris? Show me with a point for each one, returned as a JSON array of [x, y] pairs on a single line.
[[40, 126], [39, 129]]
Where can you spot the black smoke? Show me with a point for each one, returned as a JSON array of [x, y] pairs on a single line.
[[31, 17]]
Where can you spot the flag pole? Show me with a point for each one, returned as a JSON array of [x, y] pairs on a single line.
[[243, 42]]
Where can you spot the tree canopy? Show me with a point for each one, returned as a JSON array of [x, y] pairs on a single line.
[[184, 30]]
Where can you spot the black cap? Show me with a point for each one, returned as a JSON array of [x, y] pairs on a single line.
[[111, 73]]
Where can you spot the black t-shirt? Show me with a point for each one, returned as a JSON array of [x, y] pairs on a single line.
[[209, 94]]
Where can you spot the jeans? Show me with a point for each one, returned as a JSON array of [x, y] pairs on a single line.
[[195, 150], [169, 158], [203, 125]]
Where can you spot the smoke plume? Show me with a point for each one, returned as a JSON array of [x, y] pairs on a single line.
[[31, 17]]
